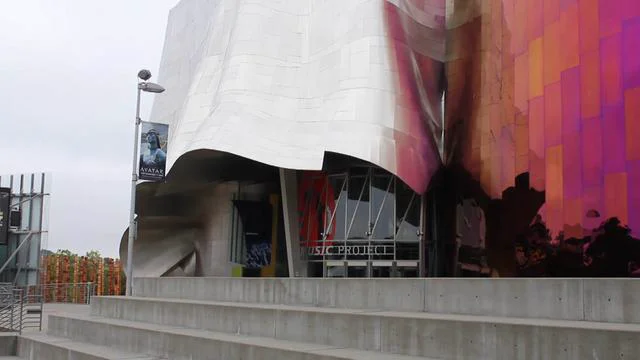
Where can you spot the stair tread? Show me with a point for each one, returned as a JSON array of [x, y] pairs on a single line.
[[540, 322], [319, 349], [86, 348]]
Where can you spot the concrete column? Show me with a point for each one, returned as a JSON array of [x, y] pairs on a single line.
[[289, 189]]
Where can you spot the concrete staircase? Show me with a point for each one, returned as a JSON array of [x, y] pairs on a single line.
[[8, 344], [330, 319]]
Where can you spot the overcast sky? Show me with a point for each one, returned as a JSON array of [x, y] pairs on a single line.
[[67, 103]]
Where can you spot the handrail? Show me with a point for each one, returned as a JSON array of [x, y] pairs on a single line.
[[11, 310], [19, 311], [76, 293], [22, 307]]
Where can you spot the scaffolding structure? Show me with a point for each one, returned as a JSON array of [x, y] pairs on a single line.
[[27, 232]]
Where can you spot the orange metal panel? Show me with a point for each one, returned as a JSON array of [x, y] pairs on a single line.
[[611, 69], [570, 37], [552, 47], [553, 114], [536, 85], [590, 84], [521, 86], [589, 26], [632, 123], [615, 196]]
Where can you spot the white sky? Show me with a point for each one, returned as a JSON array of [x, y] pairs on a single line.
[[67, 103]]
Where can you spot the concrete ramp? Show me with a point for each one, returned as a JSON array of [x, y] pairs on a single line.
[[162, 249]]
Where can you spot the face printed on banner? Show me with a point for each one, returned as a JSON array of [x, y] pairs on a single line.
[[153, 140], [153, 156]]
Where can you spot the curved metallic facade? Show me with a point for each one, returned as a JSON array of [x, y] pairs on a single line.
[[284, 82]]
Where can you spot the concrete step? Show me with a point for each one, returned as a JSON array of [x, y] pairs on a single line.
[[40, 346], [405, 333], [602, 300], [9, 358], [8, 343], [181, 343]]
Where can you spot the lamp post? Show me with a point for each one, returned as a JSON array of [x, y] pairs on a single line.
[[145, 86]]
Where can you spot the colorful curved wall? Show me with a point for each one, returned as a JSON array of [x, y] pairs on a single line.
[[548, 92]]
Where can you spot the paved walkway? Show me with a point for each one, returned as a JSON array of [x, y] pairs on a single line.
[[54, 309]]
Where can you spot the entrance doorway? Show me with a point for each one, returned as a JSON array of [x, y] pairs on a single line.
[[363, 222], [371, 269]]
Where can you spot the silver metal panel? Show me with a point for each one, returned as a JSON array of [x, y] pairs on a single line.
[[283, 82]]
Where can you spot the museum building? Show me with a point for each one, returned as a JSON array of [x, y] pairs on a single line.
[[396, 138]]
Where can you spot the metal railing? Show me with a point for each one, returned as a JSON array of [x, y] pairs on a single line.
[[32, 311], [11, 308], [22, 307], [69, 293]]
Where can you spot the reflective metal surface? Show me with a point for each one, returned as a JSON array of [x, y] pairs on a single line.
[[284, 82]]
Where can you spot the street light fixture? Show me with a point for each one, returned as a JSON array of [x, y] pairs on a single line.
[[150, 87]]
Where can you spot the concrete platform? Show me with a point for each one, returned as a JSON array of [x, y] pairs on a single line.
[[59, 309], [42, 346], [602, 300], [181, 343], [331, 319], [404, 333]]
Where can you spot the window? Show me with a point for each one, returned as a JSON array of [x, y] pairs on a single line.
[[358, 210], [382, 206], [365, 213], [237, 244]]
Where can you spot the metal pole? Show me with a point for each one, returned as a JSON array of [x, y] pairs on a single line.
[[21, 325], [132, 213], [422, 269], [42, 205], [12, 305], [41, 309]]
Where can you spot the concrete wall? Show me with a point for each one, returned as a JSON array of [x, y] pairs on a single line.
[[8, 342], [441, 336], [214, 207], [202, 224], [603, 300], [215, 211], [157, 251]]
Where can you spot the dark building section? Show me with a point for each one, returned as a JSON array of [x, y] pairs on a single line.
[[539, 157]]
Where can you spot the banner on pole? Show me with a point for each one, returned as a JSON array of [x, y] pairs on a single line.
[[5, 209], [153, 151]]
